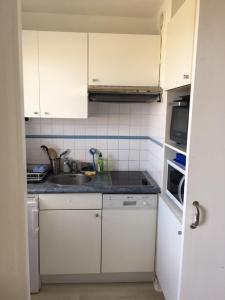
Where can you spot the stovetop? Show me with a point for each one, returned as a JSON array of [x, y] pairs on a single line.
[[129, 178]]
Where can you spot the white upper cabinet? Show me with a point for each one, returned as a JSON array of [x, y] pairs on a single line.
[[180, 39], [30, 74], [124, 59], [63, 74]]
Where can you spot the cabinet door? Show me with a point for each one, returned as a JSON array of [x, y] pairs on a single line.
[[70, 241], [63, 74], [180, 40], [124, 59], [168, 251], [128, 240], [30, 74]]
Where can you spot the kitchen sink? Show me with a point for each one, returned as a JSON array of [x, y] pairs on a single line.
[[70, 179]]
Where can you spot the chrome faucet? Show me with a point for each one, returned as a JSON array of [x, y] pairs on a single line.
[[73, 165]]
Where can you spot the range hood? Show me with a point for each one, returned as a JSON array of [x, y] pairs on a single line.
[[126, 94]]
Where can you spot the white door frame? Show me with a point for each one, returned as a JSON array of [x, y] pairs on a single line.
[[14, 283], [203, 259]]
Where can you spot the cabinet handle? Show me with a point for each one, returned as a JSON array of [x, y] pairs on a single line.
[[179, 232], [95, 80], [186, 76], [195, 224], [47, 113], [36, 113], [97, 215]]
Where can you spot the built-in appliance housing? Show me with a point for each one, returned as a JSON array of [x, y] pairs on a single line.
[[179, 120], [128, 233], [175, 183]]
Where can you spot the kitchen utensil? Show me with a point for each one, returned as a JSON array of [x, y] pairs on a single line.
[[66, 152], [93, 152], [56, 166], [52, 153], [45, 149]]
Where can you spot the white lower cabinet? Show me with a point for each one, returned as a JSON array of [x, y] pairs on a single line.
[[168, 251], [78, 237], [70, 239]]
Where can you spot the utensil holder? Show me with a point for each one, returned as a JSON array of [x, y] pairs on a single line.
[[56, 166]]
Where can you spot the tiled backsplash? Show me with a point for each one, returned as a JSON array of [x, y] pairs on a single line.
[[126, 134]]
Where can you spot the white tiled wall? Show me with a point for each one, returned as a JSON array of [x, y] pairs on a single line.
[[108, 120], [156, 129]]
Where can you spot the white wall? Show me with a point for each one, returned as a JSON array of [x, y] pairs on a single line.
[[144, 120], [159, 109], [86, 23], [13, 229], [131, 121]]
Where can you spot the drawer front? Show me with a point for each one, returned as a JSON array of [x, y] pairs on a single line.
[[70, 201]]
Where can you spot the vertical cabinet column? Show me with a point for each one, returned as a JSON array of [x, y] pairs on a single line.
[[168, 251], [179, 45], [31, 74]]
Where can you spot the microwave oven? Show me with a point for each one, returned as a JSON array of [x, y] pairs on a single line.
[[175, 183]]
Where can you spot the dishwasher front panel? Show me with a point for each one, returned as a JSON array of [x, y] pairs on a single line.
[[128, 233]]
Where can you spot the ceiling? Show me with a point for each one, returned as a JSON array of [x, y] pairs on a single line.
[[118, 8]]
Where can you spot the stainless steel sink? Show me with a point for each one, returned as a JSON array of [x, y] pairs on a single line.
[[70, 179]]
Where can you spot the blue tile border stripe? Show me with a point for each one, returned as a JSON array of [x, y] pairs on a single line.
[[91, 137], [155, 141]]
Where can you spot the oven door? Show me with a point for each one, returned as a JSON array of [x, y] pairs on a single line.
[[175, 183]]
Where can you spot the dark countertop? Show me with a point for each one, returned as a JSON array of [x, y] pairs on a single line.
[[101, 183]]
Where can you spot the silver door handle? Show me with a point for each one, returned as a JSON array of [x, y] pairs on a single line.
[[195, 224]]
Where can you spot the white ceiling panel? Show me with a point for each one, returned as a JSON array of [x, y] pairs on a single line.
[[120, 8]]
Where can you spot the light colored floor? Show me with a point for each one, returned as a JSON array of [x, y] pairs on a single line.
[[125, 291]]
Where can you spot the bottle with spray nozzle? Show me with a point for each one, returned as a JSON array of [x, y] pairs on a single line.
[[100, 163]]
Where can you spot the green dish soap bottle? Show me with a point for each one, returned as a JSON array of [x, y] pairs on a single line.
[[100, 163]]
